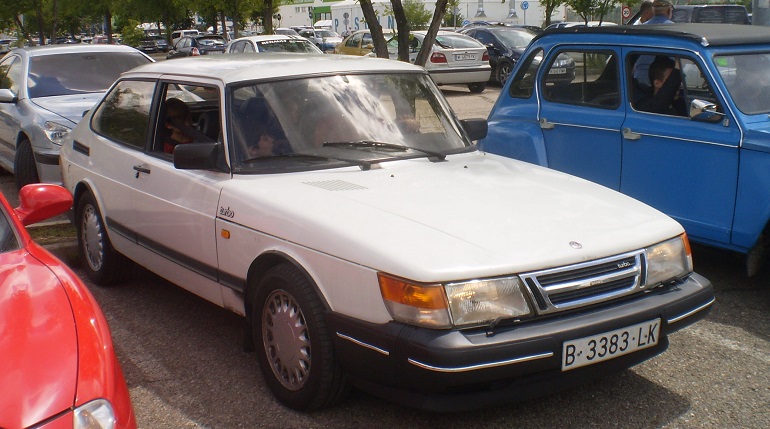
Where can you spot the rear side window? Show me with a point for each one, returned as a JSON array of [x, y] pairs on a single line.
[[78, 72], [523, 84], [124, 115], [587, 78]]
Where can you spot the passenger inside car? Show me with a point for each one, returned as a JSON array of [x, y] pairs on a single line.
[[178, 124], [663, 96]]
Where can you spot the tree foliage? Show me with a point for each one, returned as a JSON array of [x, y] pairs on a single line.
[[548, 7]]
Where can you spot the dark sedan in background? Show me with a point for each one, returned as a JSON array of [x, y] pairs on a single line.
[[192, 46], [504, 44], [152, 44]]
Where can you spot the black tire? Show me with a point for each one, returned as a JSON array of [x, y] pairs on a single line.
[[503, 71], [103, 264], [24, 168], [478, 87], [293, 344]]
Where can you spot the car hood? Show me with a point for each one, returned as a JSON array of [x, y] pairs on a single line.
[[38, 368], [70, 107], [474, 215]]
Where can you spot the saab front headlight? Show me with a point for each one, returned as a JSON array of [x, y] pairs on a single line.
[[56, 132], [482, 301], [668, 260], [97, 414], [455, 304]]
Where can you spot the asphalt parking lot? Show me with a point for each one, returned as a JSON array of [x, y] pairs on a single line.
[[185, 367]]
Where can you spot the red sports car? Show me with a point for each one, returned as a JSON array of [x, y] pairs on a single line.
[[57, 363]]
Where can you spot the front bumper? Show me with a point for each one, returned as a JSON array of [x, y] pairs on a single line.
[[454, 370]]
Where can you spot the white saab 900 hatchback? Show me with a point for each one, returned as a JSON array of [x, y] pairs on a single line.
[[340, 206]]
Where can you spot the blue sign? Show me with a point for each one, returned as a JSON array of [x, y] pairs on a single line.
[[524, 5], [466, 22]]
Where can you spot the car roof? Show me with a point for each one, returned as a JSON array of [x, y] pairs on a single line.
[[705, 34], [264, 37], [245, 67], [34, 51]]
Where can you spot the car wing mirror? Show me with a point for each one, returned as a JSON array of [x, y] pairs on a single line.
[[6, 96], [200, 156], [705, 111], [41, 201], [476, 128]]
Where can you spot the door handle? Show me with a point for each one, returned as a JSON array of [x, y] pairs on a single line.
[[630, 135], [544, 124], [141, 169]]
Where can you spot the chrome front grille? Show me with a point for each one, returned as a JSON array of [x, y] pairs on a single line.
[[586, 283]]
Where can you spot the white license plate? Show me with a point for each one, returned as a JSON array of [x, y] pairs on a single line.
[[558, 71], [214, 52], [465, 57], [609, 345]]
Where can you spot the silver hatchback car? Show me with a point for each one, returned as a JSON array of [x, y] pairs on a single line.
[[44, 92]]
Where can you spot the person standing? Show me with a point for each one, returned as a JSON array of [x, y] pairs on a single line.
[[645, 12], [663, 10]]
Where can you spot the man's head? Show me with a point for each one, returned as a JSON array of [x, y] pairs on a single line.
[[660, 70], [663, 7], [645, 11]]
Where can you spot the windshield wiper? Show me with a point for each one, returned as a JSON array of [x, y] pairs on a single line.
[[365, 165], [386, 146]]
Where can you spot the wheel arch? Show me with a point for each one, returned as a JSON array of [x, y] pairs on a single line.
[[261, 265]]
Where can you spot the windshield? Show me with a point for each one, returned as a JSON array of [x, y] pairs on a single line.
[[287, 46], [747, 78], [78, 72], [326, 33], [325, 121], [8, 240], [515, 39]]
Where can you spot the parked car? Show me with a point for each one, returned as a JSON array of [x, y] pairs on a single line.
[[274, 43], [43, 94], [571, 24], [711, 14], [359, 43], [6, 45], [285, 31], [707, 169], [455, 59], [331, 211], [59, 367], [178, 34], [152, 44], [505, 46], [326, 40], [193, 46]]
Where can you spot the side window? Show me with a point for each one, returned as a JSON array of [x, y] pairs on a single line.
[[523, 84], [237, 48], [187, 114], [367, 40], [675, 81], [124, 115], [10, 74], [354, 41], [588, 78], [248, 48], [485, 38]]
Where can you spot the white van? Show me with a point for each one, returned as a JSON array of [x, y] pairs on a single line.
[[176, 35]]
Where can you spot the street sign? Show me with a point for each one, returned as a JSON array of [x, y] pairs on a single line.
[[626, 12], [524, 5]]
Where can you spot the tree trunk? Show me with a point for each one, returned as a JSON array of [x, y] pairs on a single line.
[[267, 17], [225, 34], [55, 8], [108, 25], [430, 36], [402, 27], [378, 38]]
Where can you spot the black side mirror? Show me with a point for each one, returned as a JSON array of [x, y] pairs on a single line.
[[199, 156], [476, 128]]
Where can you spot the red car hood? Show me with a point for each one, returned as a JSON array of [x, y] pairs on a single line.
[[38, 342]]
